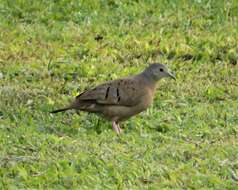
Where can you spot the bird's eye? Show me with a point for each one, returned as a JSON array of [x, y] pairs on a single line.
[[161, 70]]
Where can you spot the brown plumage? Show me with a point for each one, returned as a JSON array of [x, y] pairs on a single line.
[[121, 99]]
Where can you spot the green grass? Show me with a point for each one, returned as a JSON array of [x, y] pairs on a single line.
[[51, 50]]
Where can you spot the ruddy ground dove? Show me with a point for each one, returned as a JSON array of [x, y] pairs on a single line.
[[121, 99]]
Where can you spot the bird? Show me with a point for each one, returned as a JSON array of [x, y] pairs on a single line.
[[120, 99]]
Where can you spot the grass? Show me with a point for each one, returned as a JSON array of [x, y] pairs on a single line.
[[52, 50]]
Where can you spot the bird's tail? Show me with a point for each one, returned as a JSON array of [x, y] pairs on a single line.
[[60, 110]]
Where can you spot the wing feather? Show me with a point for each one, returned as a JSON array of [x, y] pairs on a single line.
[[123, 92]]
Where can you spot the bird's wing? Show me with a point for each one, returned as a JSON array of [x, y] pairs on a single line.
[[123, 92]]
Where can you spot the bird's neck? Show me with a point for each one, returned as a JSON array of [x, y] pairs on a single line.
[[147, 79]]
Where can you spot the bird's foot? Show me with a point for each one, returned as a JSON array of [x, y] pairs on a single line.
[[116, 127], [119, 129]]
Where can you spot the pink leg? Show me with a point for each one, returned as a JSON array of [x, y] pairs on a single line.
[[119, 129], [116, 127]]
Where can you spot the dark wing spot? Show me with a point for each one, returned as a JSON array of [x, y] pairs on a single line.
[[107, 92], [118, 92], [118, 95]]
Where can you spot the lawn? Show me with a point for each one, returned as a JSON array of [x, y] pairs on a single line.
[[50, 51]]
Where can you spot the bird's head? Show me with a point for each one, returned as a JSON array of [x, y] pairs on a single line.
[[157, 71]]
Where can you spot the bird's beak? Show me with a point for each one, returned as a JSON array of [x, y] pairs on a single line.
[[171, 76]]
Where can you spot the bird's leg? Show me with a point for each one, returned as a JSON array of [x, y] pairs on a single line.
[[118, 127], [115, 127]]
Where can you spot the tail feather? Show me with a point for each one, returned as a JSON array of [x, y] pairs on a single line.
[[60, 110]]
